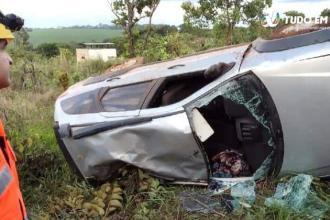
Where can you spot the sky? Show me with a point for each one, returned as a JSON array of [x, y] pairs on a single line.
[[61, 13]]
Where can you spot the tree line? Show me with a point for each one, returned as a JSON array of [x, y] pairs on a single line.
[[222, 17], [206, 24]]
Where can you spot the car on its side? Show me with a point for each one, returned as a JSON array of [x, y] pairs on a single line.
[[268, 102]]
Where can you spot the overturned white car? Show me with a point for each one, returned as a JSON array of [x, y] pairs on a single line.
[[239, 112]]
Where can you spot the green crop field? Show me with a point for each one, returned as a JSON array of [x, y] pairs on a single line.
[[68, 35]]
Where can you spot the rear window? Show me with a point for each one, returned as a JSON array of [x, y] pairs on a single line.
[[82, 104], [125, 98]]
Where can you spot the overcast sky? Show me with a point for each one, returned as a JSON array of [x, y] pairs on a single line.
[[54, 13]]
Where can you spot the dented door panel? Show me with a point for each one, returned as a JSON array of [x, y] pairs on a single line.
[[164, 146]]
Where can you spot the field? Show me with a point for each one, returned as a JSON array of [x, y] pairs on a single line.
[[68, 35]]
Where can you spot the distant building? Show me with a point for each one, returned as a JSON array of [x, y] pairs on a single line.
[[94, 51]]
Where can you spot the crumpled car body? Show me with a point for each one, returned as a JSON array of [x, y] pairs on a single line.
[[267, 100]]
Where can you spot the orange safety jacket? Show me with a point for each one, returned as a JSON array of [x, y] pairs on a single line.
[[11, 202]]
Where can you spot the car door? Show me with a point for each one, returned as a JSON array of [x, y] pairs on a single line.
[[162, 144], [239, 115]]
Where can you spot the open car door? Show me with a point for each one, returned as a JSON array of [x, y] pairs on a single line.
[[238, 127]]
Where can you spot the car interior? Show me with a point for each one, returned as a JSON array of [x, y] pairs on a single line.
[[174, 89], [235, 130]]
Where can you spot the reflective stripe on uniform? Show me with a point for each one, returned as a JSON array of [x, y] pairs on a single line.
[[5, 178]]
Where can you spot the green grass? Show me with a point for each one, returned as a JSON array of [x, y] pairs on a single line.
[[69, 35]]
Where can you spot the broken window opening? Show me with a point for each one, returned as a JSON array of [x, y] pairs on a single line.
[[241, 141], [174, 89], [237, 148]]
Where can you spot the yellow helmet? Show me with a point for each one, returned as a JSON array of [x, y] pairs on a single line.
[[6, 33]]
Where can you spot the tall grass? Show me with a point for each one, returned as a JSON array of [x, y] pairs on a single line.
[[27, 111]]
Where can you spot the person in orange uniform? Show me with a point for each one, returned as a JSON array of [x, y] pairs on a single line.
[[11, 202]]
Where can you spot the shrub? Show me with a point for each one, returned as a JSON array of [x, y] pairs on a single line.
[[48, 50]]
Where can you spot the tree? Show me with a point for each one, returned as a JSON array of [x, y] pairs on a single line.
[[227, 13], [165, 29], [153, 4], [48, 50], [22, 39], [326, 13], [294, 14], [128, 13], [20, 44]]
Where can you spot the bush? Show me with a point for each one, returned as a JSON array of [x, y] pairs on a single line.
[[48, 50], [173, 45]]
